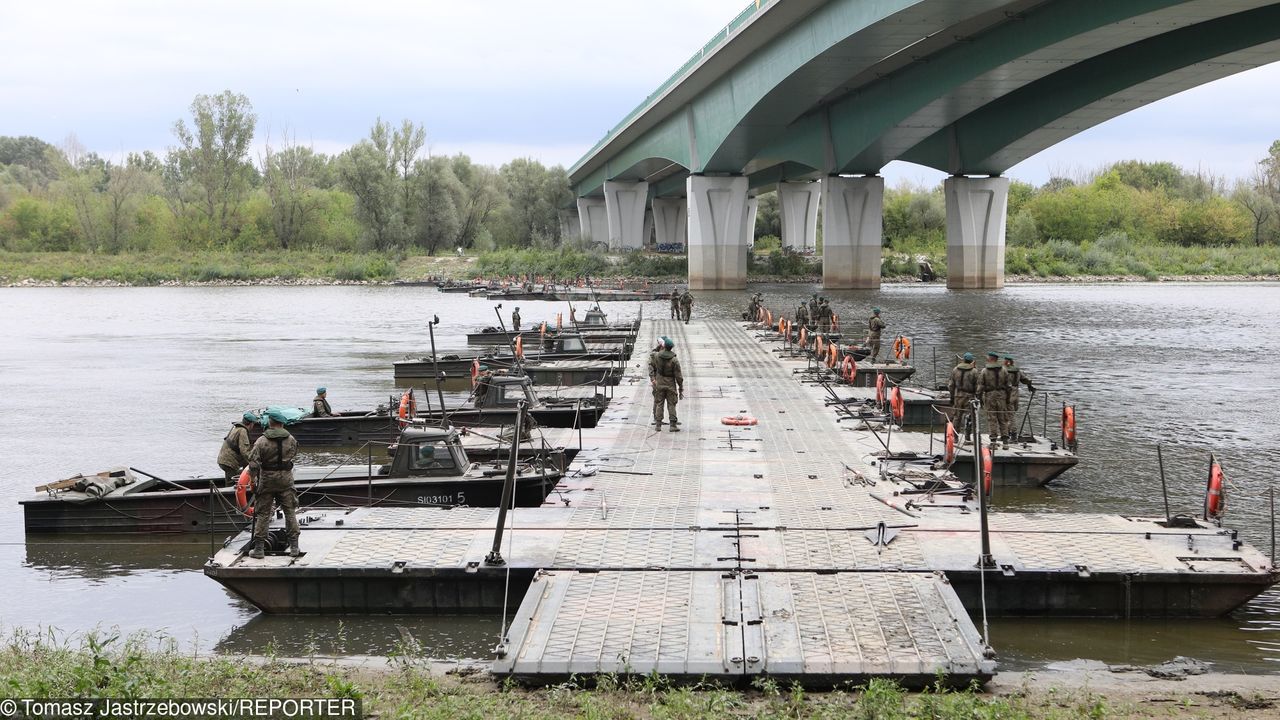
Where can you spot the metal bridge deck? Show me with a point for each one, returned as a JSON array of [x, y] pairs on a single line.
[[733, 551]]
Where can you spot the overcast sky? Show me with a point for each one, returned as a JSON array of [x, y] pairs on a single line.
[[495, 79]]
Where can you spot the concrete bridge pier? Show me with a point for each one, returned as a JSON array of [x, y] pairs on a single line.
[[593, 219], [852, 230], [671, 221], [718, 232], [625, 203], [975, 231], [798, 205]]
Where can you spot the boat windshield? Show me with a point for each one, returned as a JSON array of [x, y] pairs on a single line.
[[514, 393], [432, 456], [574, 344]]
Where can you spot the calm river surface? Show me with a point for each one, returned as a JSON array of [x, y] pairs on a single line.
[[152, 377]]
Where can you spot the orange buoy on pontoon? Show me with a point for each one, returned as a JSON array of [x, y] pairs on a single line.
[[950, 457], [408, 408], [243, 486], [987, 463], [902, 348], [738, 420], [1215, 500], [896, 402]]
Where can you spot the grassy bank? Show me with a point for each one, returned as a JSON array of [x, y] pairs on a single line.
[[155, 268], [42, 666]]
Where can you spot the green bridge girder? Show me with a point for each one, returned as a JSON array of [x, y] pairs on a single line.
[[964, 86]]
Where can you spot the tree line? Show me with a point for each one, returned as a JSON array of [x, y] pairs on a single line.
[[211, 190]]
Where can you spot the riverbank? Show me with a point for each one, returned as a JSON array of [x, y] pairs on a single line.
[[220, 269], [404, 685]]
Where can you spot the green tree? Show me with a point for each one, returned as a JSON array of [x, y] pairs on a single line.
[[288, 177], [440, 193], [768, 217], [482, 197], [209, 171], [367, 173], [534, 195]]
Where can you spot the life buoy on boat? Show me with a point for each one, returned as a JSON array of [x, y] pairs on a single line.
[[520, 347], [243, 487], [950, 457], [475, 371], [818, 348], [896, 402], [835, 322], [848, 368], [833, 355], [559, 321], [768, 314], [879, 388], [902, 348], [804, 337], [408, 408], [1215, 499], [1069, 426], [738, 420], [987, 463]]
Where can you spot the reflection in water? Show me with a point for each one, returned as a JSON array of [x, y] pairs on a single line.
[[165, 370]]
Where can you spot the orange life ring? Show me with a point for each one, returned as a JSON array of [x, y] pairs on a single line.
[[817, 347], [950, 457], [1069, 425], [902, 348], [896, 402], [520, 347], [542, 329], [987, 463], [1215, 498], [835, 322], [243, 486], [768, 314], [408, 408], [475, 371], [833, 355], [879, 388], [559, 321], [804, 337], [738, 420], [848, 368]]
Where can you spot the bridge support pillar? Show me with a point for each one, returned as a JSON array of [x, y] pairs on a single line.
[[852, 229], [625, 203], [976, 210], [593, 220], [671, 222], [798, 205], [718, 232]]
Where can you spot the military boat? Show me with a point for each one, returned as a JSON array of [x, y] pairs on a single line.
[[594, 327], [429, 467], [494, 407], [568, 346]]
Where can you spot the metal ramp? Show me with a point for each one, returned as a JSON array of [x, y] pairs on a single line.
[[732, 625]]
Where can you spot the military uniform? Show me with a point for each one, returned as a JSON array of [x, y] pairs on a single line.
[[668, 385], [320, 407], [1017, 376], [874, 326], [825, 314], [686, 307], [234, 453], [515, 320], [813, 309], [802, 315], [963, 385], [675, 304], [993, 388], [271, 465]]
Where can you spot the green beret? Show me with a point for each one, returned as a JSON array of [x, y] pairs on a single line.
[[1009, 358], [320, 391], [875, 310], [669, 343], [483, 368], [994, 355], [249, 417], [276, 416], [968, 357]]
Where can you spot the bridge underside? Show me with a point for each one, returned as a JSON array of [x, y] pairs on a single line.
[[824, 89]]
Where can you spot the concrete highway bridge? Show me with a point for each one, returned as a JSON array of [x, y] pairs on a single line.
[[814, 97]]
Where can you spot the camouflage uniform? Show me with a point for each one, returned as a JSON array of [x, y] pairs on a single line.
[[515, 320], [686, 307], [271, 465], [962, 385], [320, 407], [1017, 376], [675, 304], [802, 315], [993, 388], [668, 385], [813, 309], [234, 453], [824, 316], [874, 326]]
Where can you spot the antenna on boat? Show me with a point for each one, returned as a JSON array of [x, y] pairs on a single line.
[[435, 365]]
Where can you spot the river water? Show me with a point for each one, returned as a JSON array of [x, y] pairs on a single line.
[[151, 377]]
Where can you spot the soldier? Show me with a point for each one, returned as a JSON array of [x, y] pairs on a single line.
[[515, 320], [271, 465], [813, 308], [993, 388], [319, 405], [962, 385], [802, 314], [686, 306], [675, 304], [668, 385], [1017, 376], [753, 307], [234, 453], [824, 316], [482, 385], [874, 326]]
